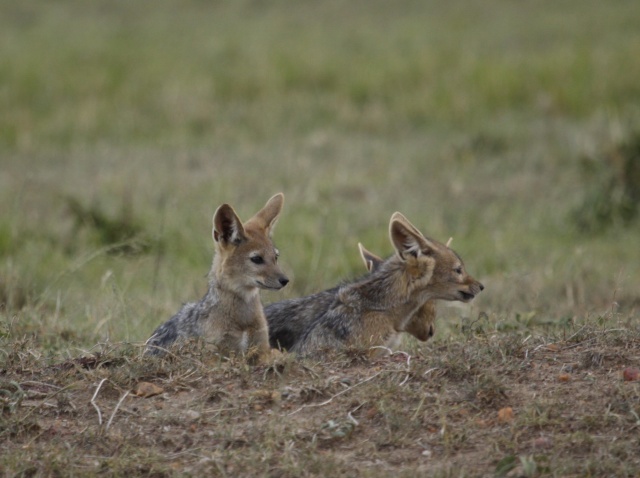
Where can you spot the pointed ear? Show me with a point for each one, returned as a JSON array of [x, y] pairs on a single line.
[[371, 261], [227, 227], [267, 217], [405, 237]]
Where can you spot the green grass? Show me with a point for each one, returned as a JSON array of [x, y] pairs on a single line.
[[473, 120]]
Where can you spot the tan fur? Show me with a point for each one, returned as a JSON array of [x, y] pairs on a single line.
[[231, 315]]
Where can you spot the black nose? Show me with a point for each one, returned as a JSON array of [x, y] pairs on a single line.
[[481, 286], [283, 281]]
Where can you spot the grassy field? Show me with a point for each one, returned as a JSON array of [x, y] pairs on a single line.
[[512, 127]]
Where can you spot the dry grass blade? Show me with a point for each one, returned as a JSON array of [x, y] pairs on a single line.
[[115, 410], [93, 400]]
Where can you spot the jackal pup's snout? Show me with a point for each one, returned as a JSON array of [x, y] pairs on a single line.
[[473, 290]]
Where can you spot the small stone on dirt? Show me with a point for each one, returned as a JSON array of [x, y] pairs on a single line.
[[630, 374], [192, 414], [505, 415], [542, 443], [147, 389]]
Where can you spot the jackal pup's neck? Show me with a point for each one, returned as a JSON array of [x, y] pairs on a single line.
[[395, 284], [225, 283]]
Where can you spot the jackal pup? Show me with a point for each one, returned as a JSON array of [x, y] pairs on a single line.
[[373, 310], [230, 315]]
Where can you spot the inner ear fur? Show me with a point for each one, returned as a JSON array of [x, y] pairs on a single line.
[[406, 238], [371, 261], [267, 217], [227, 226]]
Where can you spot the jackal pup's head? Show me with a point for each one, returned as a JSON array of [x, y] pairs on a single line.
[[438, 270], [245, 255]]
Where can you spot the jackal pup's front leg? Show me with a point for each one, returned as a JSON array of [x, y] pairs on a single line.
[[258, 348]]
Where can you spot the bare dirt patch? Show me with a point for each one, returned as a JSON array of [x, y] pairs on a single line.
[[504, 405]]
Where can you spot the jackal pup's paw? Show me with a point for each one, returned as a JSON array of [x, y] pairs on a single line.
[[271, 357]]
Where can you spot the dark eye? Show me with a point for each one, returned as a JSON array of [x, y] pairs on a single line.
[[458, 270], [257, 260]]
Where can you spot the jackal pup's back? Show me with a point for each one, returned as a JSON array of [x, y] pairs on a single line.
[[230, 315], [373, 310], [289, 319]]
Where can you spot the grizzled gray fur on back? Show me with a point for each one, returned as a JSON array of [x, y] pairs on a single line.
[[184, 324], [289, 319], [326, 320]]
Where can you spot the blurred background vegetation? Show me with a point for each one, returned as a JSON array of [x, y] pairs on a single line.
[[512, 126]]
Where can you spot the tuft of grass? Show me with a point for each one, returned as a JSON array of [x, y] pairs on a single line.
[[14, 296], [612, 183], [123, 234]]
